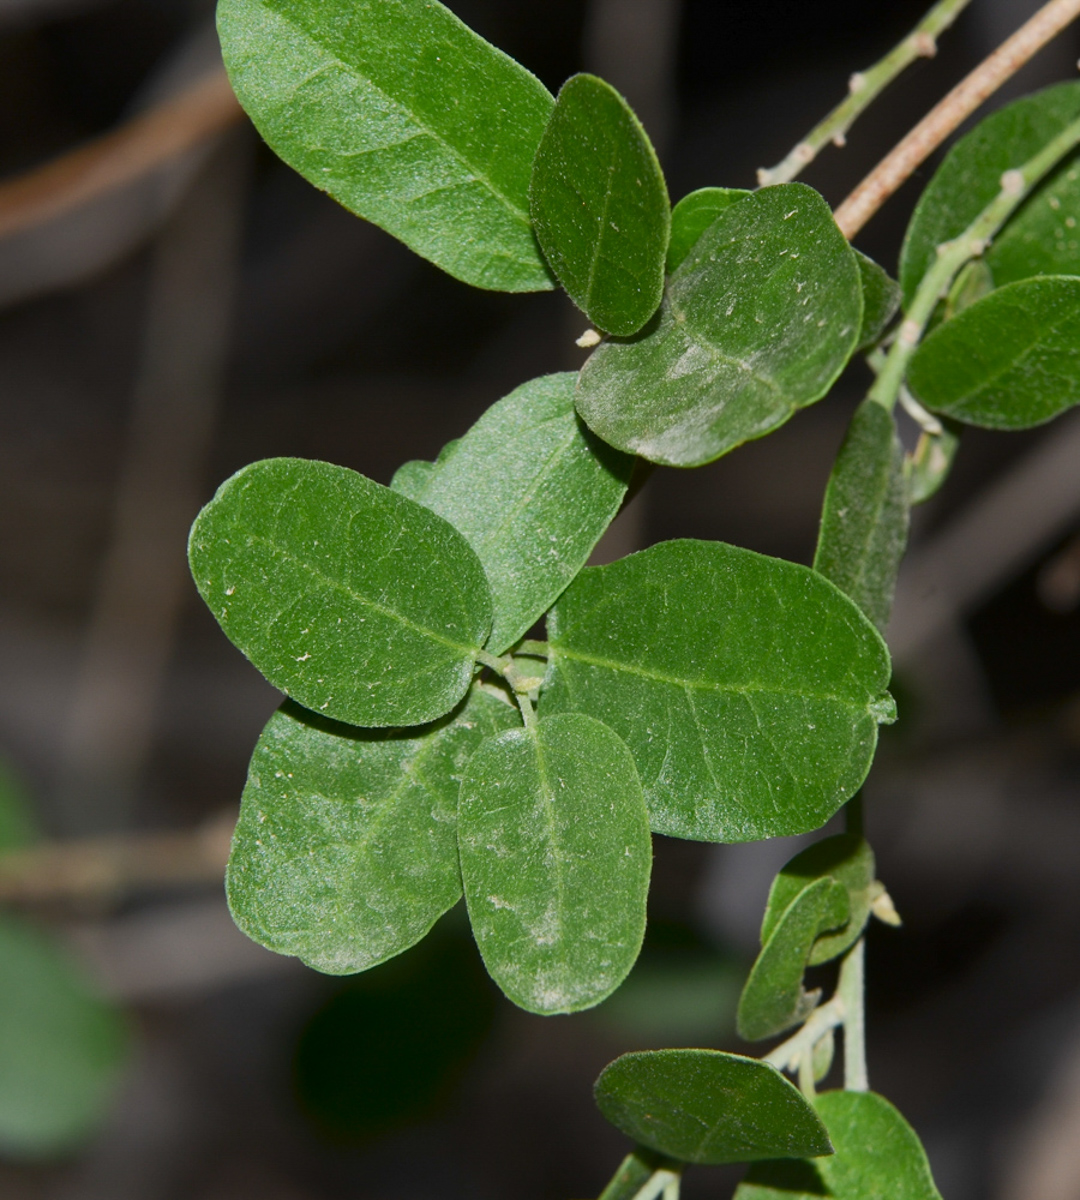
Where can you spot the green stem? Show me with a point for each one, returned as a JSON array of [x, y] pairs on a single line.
[[806, 1075], [851, 992], [801, 1044], [665, 1181], [1016, 185], [519, 684], [865, 87]]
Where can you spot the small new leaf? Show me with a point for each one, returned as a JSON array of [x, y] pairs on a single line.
[[354, 600], [704, 1106], [555, 858], [751, 715], [758, 321], [1009, 361], [845, 858], [864, 521], [532, 490], [773, 999], [600, 206], [346, 849], [877, 1154], [406, 117], [693, 215]]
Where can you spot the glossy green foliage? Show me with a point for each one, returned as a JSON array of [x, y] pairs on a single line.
[[864, 521], [532, 490], [751, 713], [346, 849], [600, 206], [1010, 361], [877, 1155], [970, 177], [704, 1106], [846, 858], [62, 1046], [757, 322], [881, 299], [555, 857], [693, 215], [406, 117], [354, 600], [774, 999]]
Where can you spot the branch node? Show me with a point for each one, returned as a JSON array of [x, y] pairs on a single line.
[[856, 83], [839, 139], [925, 45], [1013, 183]]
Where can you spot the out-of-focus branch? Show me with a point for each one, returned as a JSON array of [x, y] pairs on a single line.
[[119, 157], [92, 870], [956, 107]]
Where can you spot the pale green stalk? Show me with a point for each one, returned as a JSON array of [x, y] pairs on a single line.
[[851, 992], [1016, 185], [800, 1045], [864, 88]]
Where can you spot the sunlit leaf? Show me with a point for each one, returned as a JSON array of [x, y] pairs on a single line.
[[749, 689], [346, 849], [600, 206], [406, 117], [693, 215], [357, 602], [757, 322], [703, 1106], [877, 1155], [864, 522], [555, 857], [1010, 361]]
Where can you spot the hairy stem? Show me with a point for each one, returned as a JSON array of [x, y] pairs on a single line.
[[1016, 185], [851, 992], [800, 1046], [636, 1173], [864, 88], [959, 104]]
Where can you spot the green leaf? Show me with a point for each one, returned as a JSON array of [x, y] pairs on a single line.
[[532, 490], [845, 858], [970, 177], [693, 215], [749, 689], [411, 479], [633, 1174], [346, 849], [62, 1046], [357, 602], [929, 466], [877, 1155], [704, 1106], [881, 299], [17, 825], [1010, 361], [757, 322], [406, 117], [864, 521], [822, 1055], [600, 206], [773, 999], [555, 857]]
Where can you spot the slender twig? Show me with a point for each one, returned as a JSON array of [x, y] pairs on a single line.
[[863, 88], [936, 126], [664, 1181], [788, 1054], [119, 157], [952, 256], [851, 991]]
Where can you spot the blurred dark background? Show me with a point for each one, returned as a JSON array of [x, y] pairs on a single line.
[[170, 329]]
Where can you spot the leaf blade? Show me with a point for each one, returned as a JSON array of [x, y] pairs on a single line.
[[406, 117], [555, 859], [277, 561], [694, 214]]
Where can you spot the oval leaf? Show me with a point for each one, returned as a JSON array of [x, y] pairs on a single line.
[[1007, 362], [970, 177], [751, 715], [600, 206], [406, 117], [845, 858], [877, 1154], [758, 321], [346, 849], [532, 490], [555, 858], [62, 1046], [864, 521], [704, 1106], [355, 601], [881, 299], [693, 215], [773, 999]]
